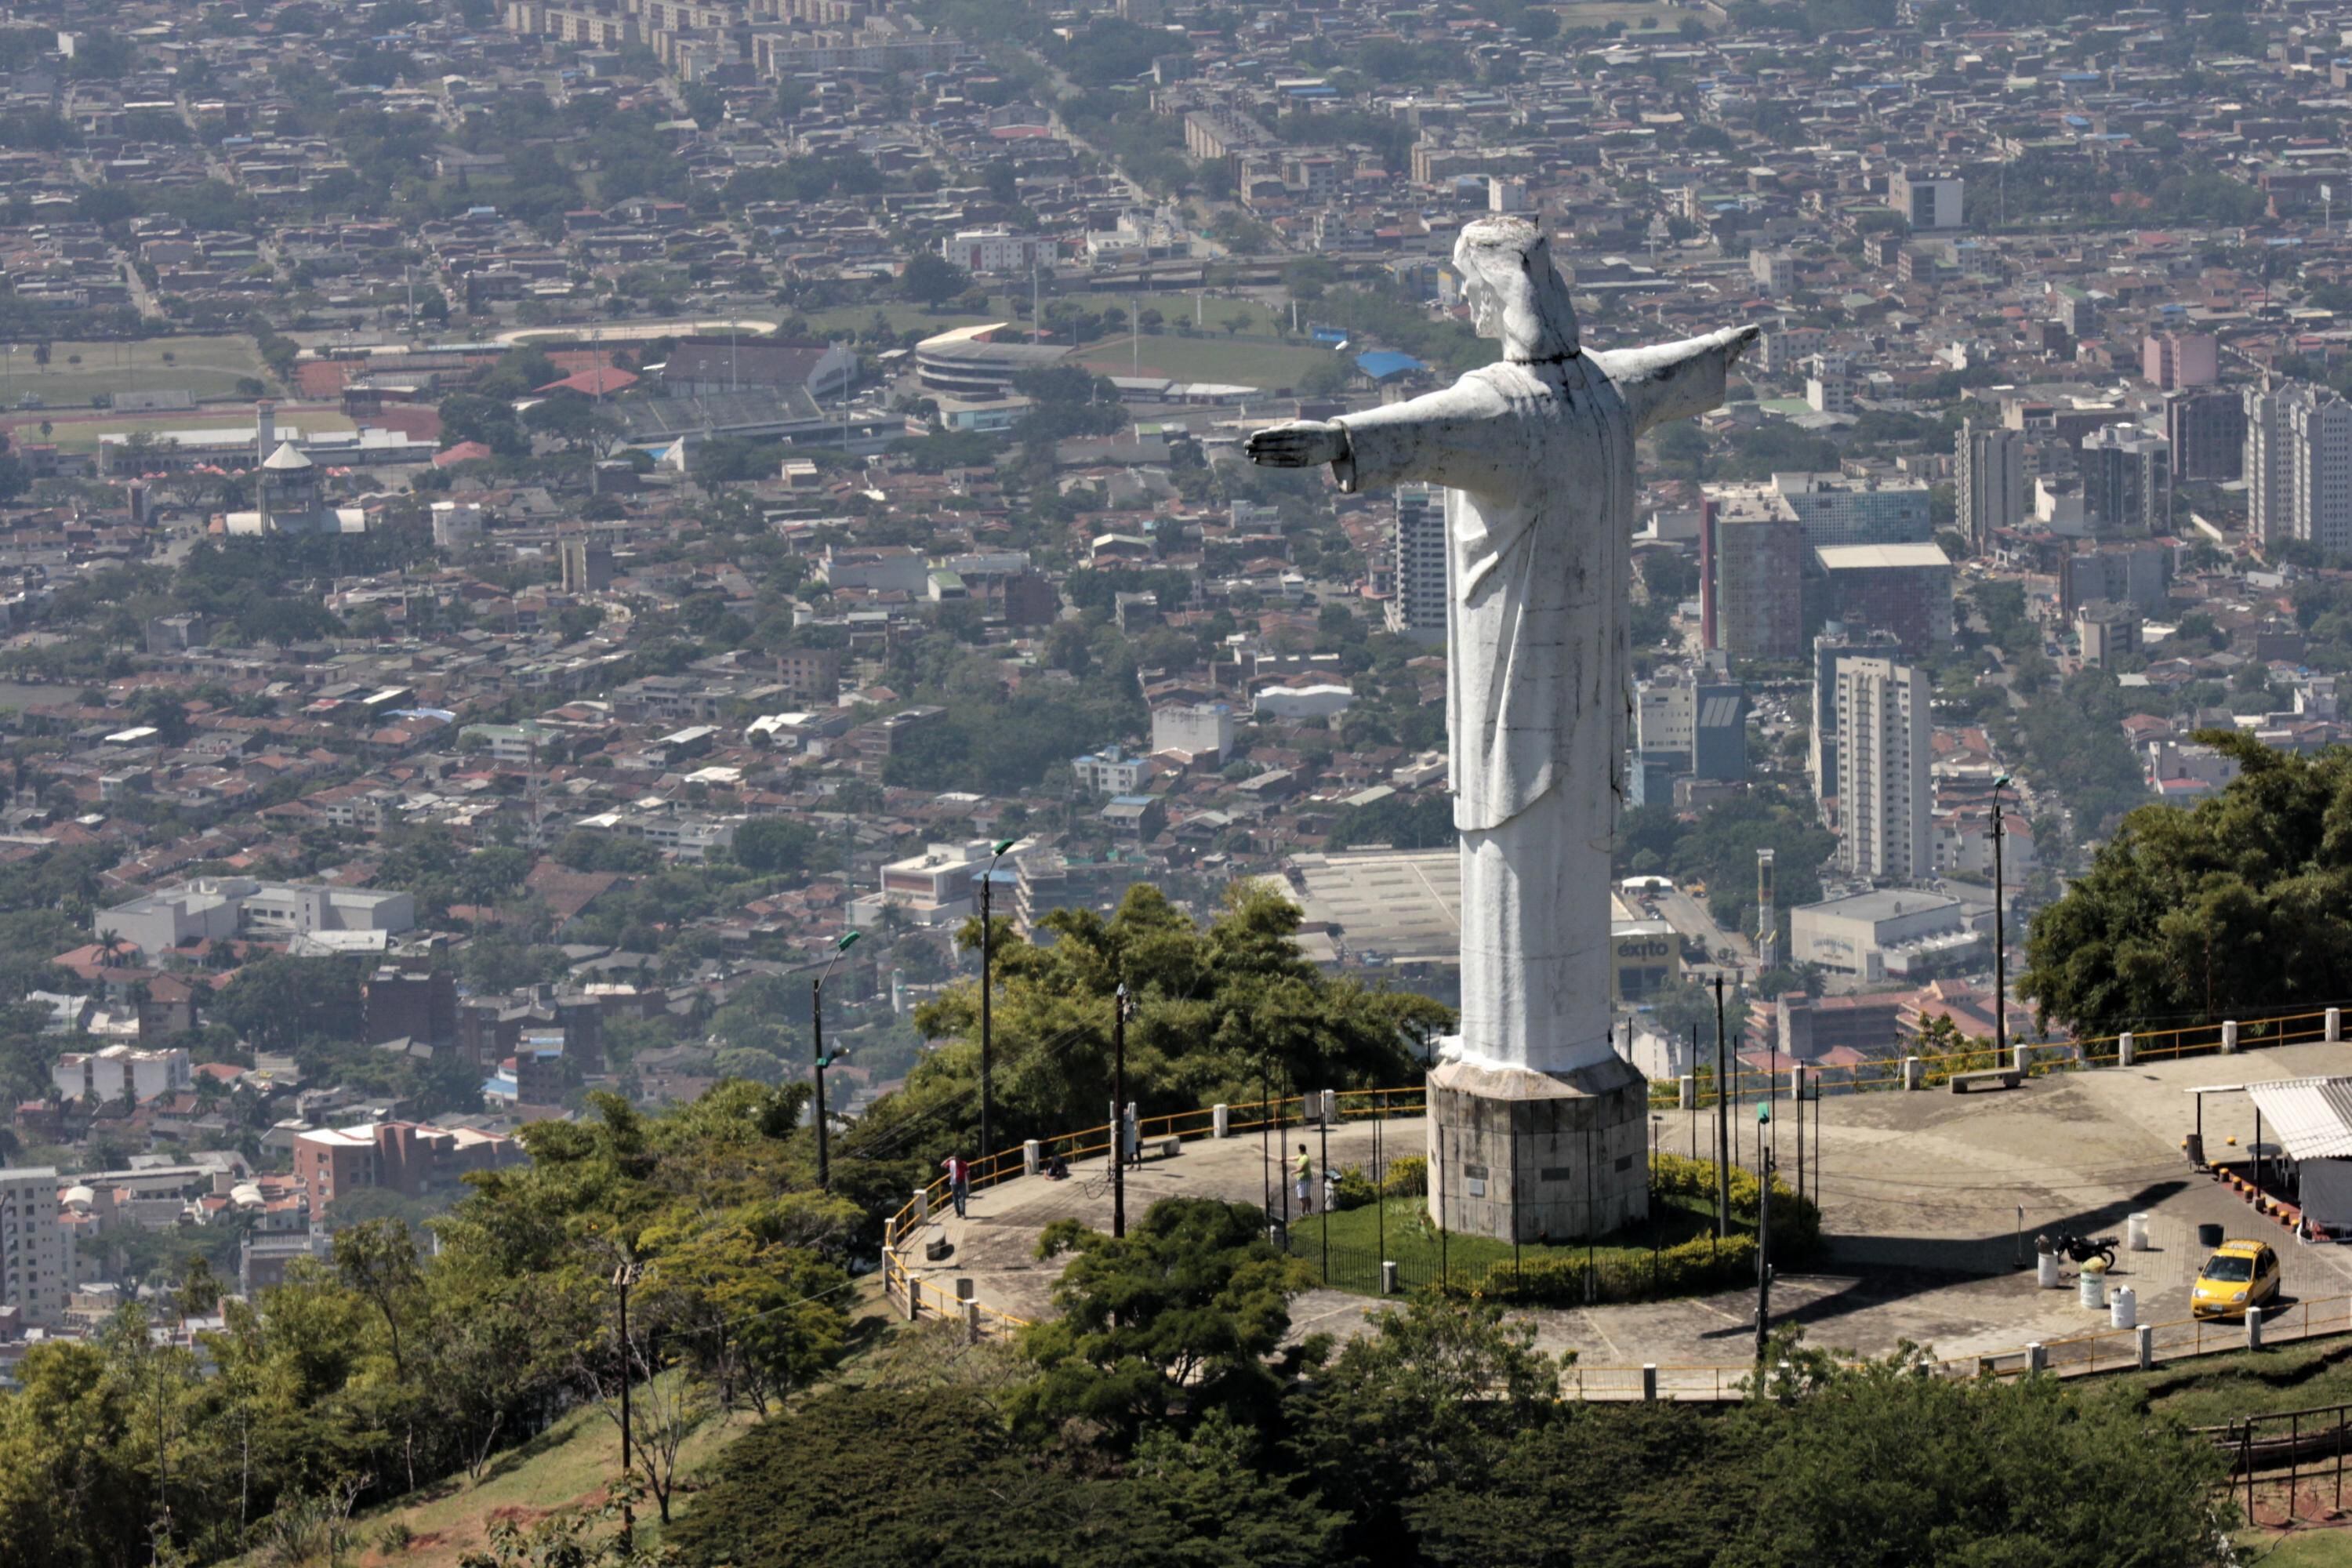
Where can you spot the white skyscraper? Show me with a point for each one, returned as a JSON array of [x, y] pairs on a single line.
[[38, 1271], [2298, 465], [1884, 751], [1417, 608]]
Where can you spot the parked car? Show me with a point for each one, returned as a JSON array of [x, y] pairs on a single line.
[[2242, 1274]]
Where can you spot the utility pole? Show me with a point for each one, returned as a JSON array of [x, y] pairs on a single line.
[[987, 946], [622, 1277], [1722, 1124], [1119, 1113], [816, 1028], [2000, 940]]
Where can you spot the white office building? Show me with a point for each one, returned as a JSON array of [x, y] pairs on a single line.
[[1417, 608], [1928, 199], [222, 908], [1885, 748]]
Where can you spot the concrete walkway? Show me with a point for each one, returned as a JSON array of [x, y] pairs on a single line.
[[1920, 1193]]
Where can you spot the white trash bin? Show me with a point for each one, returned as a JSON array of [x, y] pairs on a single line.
[[2123, 1307], [2046, 1271], [2094, 1285], [2136, 1233]]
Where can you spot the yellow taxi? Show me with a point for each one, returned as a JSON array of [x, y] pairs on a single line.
[[2242, 1274]]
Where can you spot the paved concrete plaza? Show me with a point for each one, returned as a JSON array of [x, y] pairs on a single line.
[[1920, 1195]]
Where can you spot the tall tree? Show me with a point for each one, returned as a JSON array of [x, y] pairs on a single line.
[[2232, 909]]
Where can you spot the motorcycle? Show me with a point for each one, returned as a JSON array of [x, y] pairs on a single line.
[[2080, 1249]]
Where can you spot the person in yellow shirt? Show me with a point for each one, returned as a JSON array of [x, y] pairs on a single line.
[[1303, 1169]]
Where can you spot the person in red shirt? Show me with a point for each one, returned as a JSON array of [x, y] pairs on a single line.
[[959, 1170]]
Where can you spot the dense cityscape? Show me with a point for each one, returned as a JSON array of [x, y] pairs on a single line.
[[626, 623]]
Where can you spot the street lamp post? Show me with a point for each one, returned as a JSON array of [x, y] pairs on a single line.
[[816, 1028], [2000, 937], [987, 945]]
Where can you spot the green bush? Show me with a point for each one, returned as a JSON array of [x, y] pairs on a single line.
[[1689, 1267], [1408, 1177], [1796, 1222], [1354, 1189]]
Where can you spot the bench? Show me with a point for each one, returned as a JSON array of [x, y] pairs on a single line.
[[1991, 1078]]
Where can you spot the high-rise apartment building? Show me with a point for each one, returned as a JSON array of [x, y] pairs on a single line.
[[2207, 432], [1990, 462], [2177, 359], [1840, 641], [2127, 479], [1884, 747], [1760, 563], [1417, 600], [587, 565], [2298, 465], [35, 1249]]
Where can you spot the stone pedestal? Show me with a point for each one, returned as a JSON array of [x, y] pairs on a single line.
[[1551, 1157]]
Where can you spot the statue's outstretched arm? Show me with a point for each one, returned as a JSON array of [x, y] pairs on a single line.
[[1452, 437], [1674, 381]]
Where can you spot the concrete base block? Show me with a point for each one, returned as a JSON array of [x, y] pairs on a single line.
[[1552, 1156]]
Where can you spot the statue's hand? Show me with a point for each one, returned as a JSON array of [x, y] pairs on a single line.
[[1740, 340], [1300, 443]]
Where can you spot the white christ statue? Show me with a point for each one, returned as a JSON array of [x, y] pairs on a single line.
[[1537, 457]]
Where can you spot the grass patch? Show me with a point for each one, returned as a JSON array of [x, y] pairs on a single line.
[[2304, 1548], [569, 1465], [1638, 16], [202, 366], [1211, 356], [2214, 1390]]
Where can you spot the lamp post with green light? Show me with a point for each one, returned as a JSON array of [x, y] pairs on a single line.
[[987, 946], [816, 1027], [1763, 1233], [2000, 934]]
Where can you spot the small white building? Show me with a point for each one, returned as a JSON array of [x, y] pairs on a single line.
[[997, 250], [117, 1070], [1199, 730], [1297, 703], [219, 908], [1112, 772]]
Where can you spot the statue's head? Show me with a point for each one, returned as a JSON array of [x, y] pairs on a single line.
[[1516, 294]]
